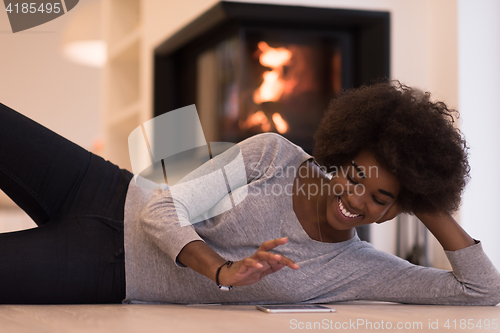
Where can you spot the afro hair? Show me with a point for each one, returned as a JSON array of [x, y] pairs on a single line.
[[411, 136]]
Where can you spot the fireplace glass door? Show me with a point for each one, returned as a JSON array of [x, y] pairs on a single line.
[[269, 81]]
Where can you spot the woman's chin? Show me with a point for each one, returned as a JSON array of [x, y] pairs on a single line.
[[339, 225]]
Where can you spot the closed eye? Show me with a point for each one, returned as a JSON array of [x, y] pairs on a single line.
[[378, 202], [373, 197], [351, 180]]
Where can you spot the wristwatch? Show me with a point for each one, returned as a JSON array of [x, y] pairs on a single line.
[[223, 288]]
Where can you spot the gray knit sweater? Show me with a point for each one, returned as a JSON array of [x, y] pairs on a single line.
[[160, 222]]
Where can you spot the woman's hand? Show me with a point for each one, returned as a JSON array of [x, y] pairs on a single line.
[[255, 268], [201, 258]]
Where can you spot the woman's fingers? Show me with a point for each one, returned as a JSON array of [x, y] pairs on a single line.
[[268, 257], [260, 264], [250, 262], [271, 244], [276, 260]]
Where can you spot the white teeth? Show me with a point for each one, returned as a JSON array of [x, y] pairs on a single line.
[[345, 212]]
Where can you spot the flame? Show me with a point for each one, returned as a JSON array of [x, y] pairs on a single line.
[[271, 89], [273, 57], [257, 119], [273, 85], [280, 123]]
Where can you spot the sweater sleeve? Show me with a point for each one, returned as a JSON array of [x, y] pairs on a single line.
[[473, 280], [210, 190]]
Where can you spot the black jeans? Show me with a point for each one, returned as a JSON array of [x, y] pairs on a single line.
[[76, 254]]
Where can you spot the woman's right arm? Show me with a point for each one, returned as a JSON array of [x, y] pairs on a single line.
[[168, 218], [166, 222], [198, 256]]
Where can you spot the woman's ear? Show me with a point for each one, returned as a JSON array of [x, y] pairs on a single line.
[[390, 214]]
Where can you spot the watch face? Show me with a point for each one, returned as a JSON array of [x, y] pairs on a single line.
[[225, 288]]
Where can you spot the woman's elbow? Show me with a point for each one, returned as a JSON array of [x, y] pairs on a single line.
[[489, 296]]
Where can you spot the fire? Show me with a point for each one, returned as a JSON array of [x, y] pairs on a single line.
[[280, 123], [257, 119], [273, 86], [273, 57], [271, 89]]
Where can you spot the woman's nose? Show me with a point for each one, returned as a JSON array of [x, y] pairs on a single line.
[[356, 202]]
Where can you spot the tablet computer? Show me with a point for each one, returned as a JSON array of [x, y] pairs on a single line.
[[294, 308]]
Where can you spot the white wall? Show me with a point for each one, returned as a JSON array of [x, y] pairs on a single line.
[[479, 88], [37, 81]]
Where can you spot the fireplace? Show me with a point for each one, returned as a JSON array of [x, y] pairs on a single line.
[[253, 68]]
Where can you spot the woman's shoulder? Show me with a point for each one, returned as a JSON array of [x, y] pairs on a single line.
[[265, 152], [267, 137], [270, 143]]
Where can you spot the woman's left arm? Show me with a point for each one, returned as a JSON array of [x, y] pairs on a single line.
[[446, 230], [473, 281]]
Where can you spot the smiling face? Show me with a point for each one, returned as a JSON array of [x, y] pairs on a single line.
[[363, 192]]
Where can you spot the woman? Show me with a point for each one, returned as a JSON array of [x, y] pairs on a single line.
[[288, 236]]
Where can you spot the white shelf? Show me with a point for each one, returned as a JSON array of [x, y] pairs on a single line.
[[122, 99], [123, 74], [116, 140], [132, 111], [127, 42], [123, 17]]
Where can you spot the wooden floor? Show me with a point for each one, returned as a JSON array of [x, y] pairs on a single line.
[[350, 317]]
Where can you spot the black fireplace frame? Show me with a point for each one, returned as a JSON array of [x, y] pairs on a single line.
[[370, 30]]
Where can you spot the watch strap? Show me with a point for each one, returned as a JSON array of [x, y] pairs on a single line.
[[223, 288]]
